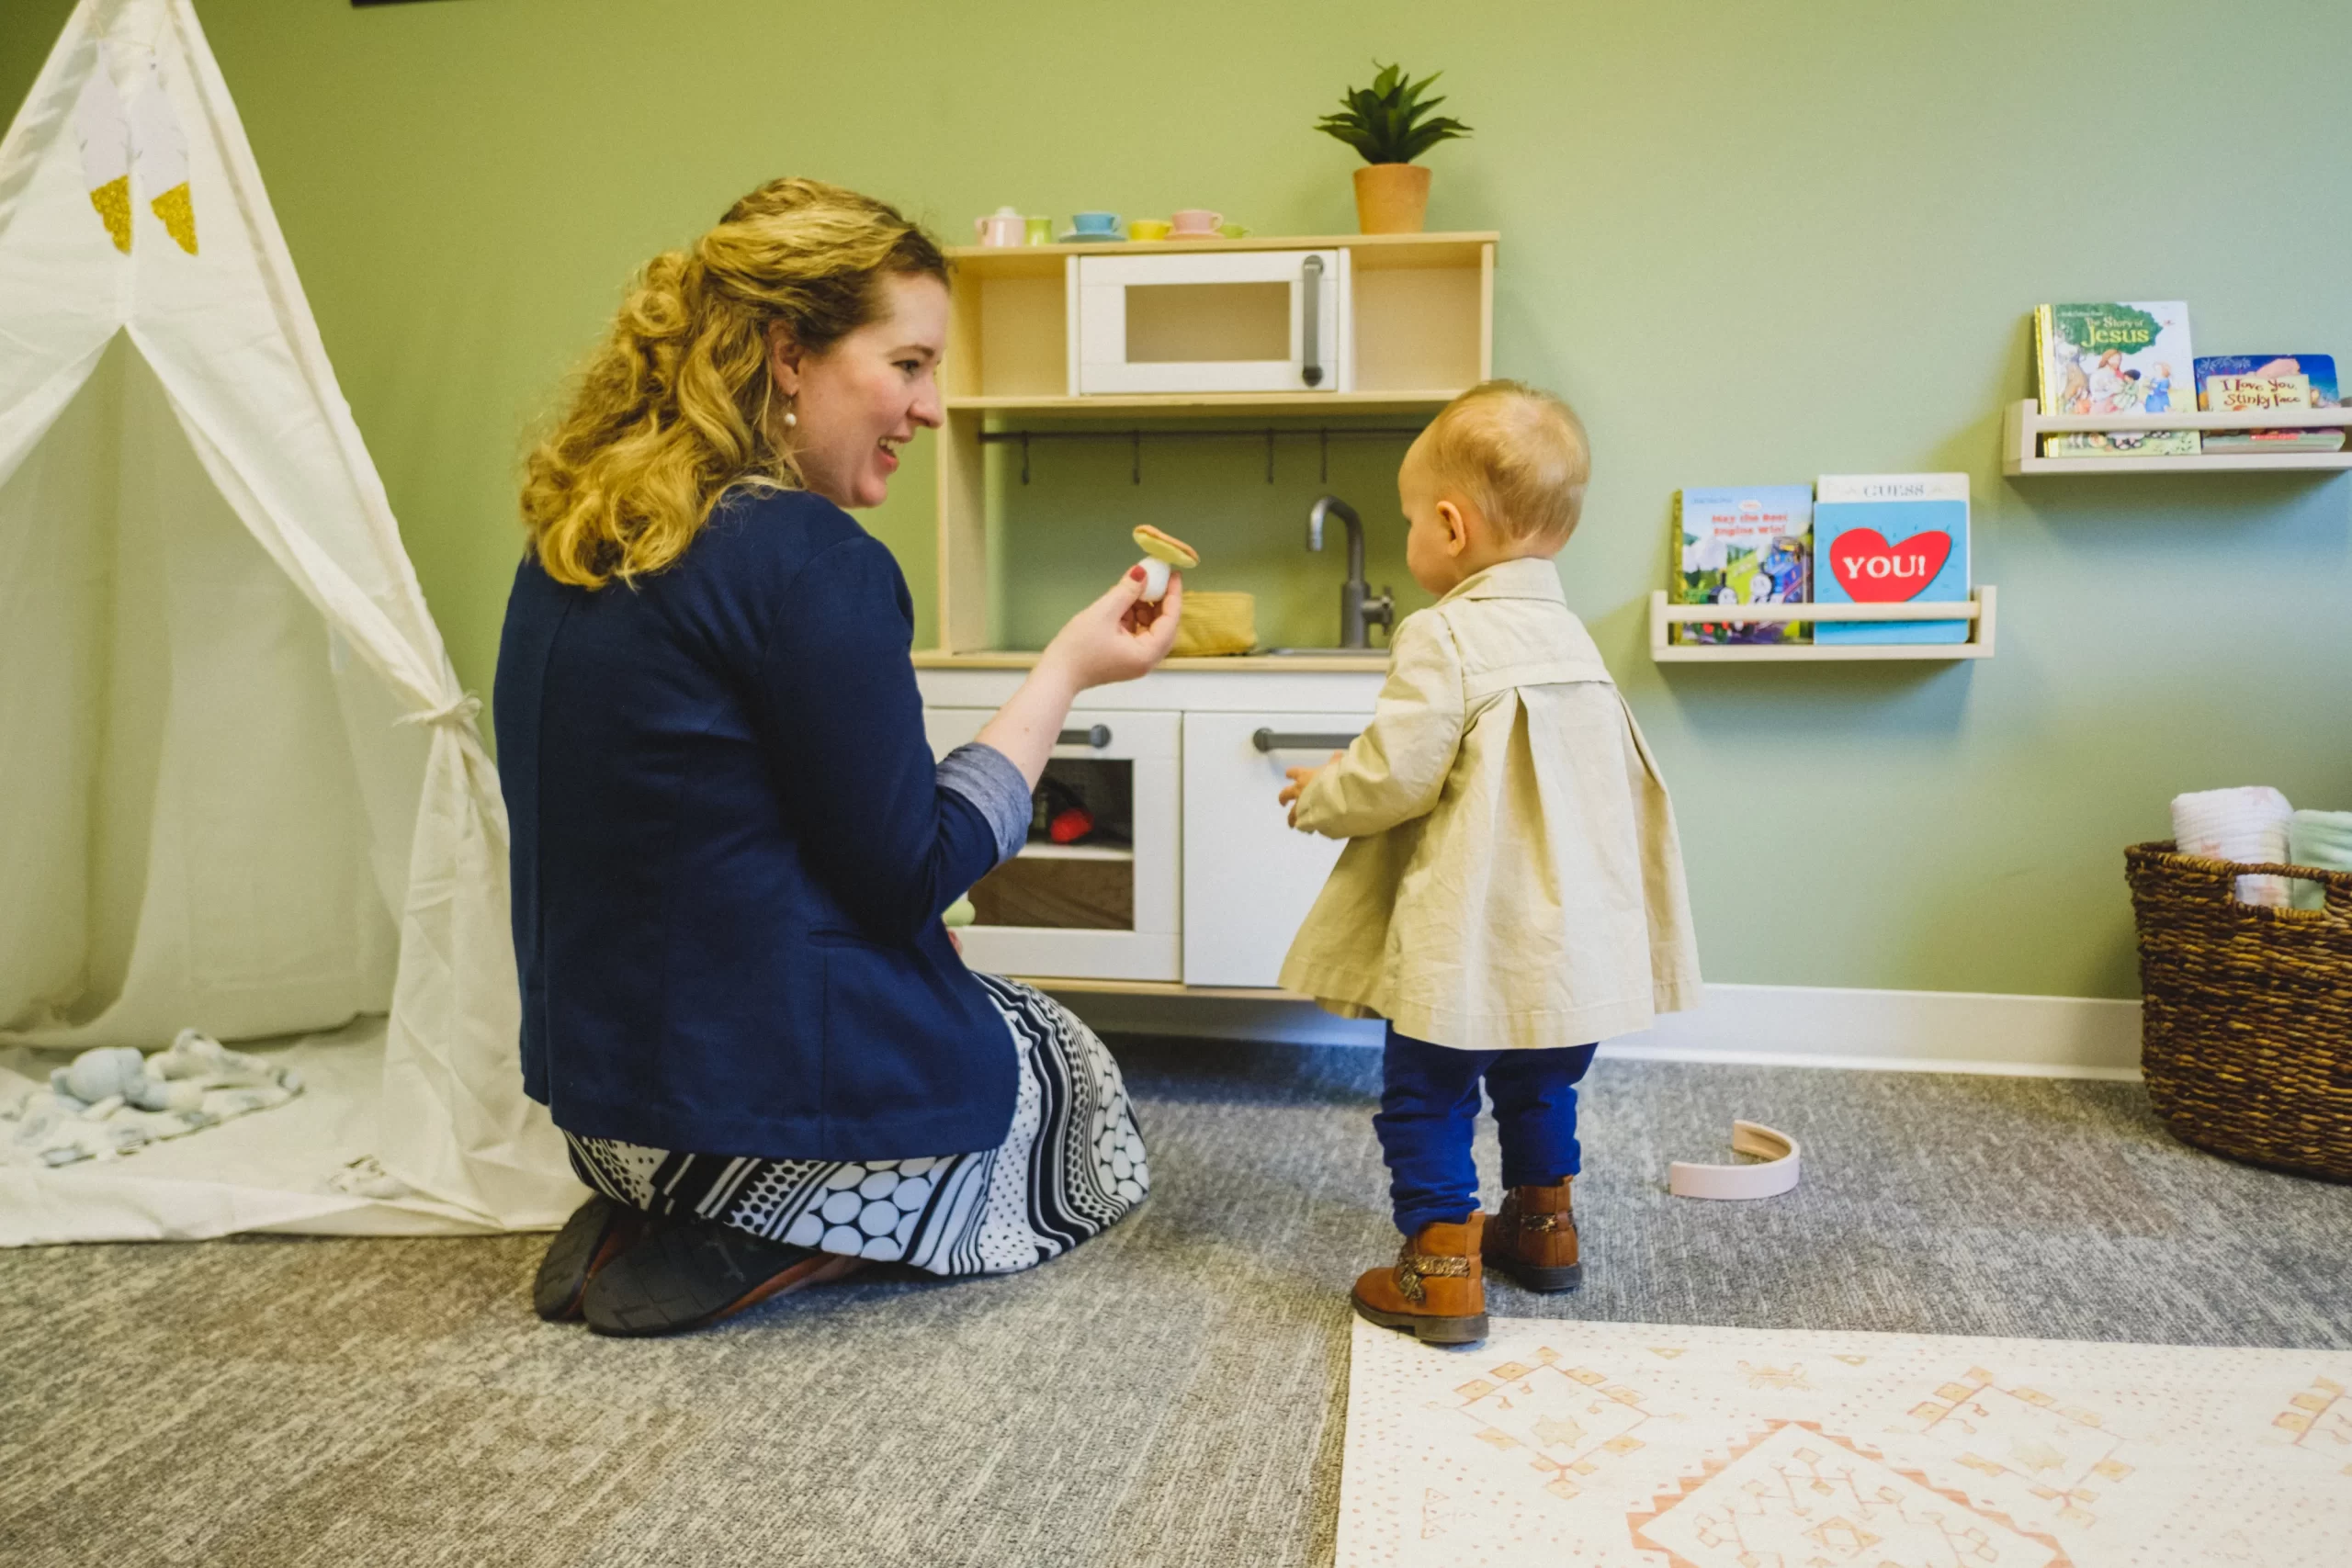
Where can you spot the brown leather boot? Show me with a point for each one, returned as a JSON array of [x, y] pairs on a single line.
[[1533, 1240], [1434, 1288]]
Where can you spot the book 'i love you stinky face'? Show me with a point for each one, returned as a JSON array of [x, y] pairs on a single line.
[[1891, 539]]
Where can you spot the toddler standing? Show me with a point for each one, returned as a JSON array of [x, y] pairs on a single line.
[[1511, 891]]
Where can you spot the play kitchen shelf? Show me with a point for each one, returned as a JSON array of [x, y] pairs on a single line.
[[1417, 330], [1106, 405], [1977, 612], [2025, 424]]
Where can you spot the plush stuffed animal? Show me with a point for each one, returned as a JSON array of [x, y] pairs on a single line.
[[120, 1073], [173, 1080], [111, 1101], [199, 1056], [105, 1073], [1161, 553]]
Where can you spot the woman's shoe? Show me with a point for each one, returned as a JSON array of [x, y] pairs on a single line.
[[683, 1274], [1434, 1291], [594, 1235], [1533, 1240]]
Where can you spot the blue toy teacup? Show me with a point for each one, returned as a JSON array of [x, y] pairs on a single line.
[[1103, 223]]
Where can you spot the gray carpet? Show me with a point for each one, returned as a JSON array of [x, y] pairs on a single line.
[[1172, 1393]]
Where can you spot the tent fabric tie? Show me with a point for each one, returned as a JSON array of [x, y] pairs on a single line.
[[461, 711]]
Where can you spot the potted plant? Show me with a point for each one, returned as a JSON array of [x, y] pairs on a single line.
[[1389, 123]]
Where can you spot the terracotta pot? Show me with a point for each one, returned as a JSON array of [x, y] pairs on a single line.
[[1391, 198]]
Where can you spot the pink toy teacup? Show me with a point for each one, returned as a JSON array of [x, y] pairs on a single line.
[[1195, 223]]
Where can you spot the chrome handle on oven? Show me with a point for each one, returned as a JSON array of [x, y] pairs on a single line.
[[1277, 740], [1310, 290], [1097, 736]]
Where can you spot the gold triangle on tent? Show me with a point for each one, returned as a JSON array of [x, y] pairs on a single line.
[[113, 201], [178, 214]]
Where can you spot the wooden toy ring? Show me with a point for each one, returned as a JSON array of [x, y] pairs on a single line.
[[1777, 1174], [1161, 553]]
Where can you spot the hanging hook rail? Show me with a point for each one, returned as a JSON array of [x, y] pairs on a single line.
[[1134, 438]]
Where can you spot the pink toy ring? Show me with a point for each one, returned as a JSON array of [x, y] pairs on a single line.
[[1777, 1174]]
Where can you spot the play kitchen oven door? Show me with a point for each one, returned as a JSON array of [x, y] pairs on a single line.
[[1092, 894], [1211, 322]]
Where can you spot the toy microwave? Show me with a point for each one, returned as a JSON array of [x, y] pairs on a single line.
[[1214, 321]]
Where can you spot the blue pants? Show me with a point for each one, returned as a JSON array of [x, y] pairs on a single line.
[[1429, 1106]]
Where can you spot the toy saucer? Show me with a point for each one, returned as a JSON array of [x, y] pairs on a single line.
[[1076, 238]]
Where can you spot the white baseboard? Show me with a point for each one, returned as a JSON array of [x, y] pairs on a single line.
[[1795, 1026], [1938, 1031]]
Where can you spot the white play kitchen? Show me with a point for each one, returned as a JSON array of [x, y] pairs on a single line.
[[1158, 861]]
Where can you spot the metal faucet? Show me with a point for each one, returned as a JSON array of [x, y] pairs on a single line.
[[1359, 609]]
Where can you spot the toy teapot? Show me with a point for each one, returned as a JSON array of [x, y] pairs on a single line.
[[1003, 227]]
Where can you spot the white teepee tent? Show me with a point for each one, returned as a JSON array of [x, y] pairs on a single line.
[[240, 788]]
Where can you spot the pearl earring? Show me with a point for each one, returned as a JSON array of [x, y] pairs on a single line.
[[790, 419]]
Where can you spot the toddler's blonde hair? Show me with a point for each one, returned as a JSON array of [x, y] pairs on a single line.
[[674, 409], [1518, 453]]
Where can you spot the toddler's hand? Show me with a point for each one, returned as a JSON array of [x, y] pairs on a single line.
[[1299, 778]]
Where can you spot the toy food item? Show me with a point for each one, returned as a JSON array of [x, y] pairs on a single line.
[[1161, 552], [1777, 1174], [1062, 812]]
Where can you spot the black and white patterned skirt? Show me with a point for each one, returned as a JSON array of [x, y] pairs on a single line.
[[1071, 1165]]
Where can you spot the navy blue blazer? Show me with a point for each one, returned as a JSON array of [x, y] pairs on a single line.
[[731, 851]]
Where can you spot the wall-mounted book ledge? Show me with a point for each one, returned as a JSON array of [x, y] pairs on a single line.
[[1977, 613], [2026, 424]]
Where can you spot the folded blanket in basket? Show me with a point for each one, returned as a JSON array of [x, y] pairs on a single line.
[[2323, 838], [2243, 825]]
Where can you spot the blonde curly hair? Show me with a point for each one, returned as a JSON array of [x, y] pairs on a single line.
[[674, 409]]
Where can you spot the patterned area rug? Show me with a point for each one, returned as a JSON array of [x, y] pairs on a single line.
[[1600, 1443]]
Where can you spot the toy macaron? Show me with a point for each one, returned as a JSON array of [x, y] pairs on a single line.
[[1161, 554]]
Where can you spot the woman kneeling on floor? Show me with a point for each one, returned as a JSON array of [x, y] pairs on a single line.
[[731, 844]]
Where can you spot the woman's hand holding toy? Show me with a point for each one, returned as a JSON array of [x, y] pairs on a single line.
[[1117, 637]]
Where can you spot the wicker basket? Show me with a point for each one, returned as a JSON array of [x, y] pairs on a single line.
[[1217, 623], [2246, 1022]]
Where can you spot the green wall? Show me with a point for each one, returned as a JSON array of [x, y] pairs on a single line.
[[1751, 243]]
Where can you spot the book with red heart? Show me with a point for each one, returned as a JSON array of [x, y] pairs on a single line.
[[1891, 539]]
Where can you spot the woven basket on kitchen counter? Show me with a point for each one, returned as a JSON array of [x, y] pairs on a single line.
[[2246, 1012], [1217, 622]]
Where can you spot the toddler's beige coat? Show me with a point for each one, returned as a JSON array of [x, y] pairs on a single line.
[[1512, 878]]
